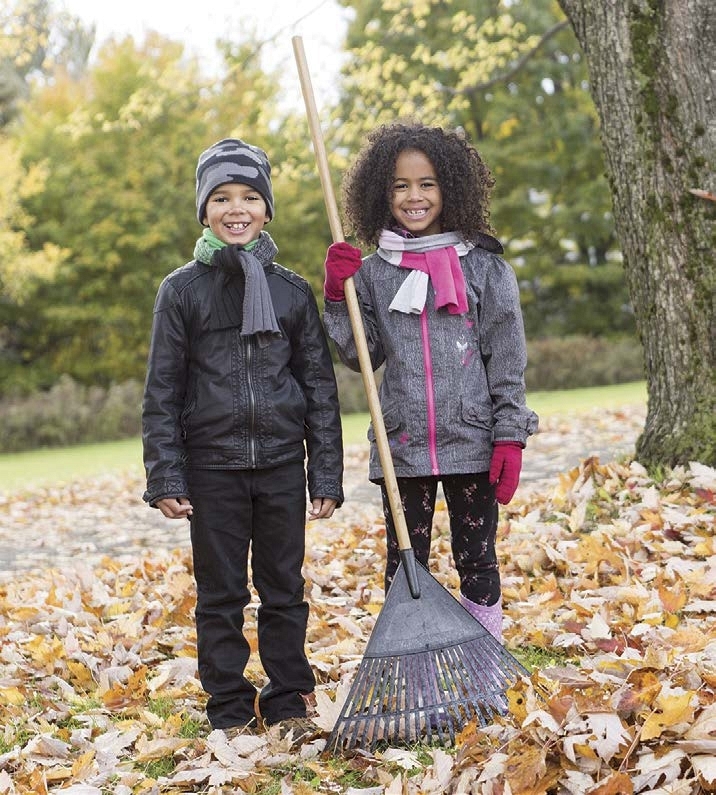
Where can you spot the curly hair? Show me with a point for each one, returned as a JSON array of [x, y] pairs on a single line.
[[465, 180]]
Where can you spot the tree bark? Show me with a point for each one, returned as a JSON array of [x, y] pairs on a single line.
[[652, 67]]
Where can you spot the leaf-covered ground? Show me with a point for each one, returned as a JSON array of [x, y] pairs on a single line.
[[609, 581]]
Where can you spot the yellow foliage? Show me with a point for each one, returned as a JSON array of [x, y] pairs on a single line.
[[12, 695], [20, 267], [506, 128], [80, 676]]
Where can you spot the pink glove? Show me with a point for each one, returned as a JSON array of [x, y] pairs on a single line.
[[342, 261], [505, 469]]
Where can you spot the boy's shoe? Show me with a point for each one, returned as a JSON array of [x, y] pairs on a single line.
[[251, 728], [302, 730]]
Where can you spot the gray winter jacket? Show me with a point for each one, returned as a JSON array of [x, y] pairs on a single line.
[[452, 384]]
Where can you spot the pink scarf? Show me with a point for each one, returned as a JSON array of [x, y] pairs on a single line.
[[443, 267]]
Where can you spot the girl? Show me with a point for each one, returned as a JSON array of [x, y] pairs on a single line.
[[441, 311]]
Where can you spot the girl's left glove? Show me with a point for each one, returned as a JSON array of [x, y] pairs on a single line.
[[505, 468], [342, 261]]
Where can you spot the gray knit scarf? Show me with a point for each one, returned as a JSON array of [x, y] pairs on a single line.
[[241, 294]]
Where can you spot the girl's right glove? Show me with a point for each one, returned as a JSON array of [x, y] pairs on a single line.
[[342, 261]]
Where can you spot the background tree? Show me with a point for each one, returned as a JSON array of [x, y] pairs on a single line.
[[513, 76], [118, 146], [34, 41], [652, 76]]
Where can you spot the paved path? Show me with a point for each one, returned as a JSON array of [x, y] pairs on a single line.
[[80, 523]]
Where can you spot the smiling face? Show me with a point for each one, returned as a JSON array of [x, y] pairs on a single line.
[[416, 201], [236, 213]]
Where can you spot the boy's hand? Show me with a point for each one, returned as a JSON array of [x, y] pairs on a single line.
[[322, 508], [342, 261], [175, 508], [505, 468]]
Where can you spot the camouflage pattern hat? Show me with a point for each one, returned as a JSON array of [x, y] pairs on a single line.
[[232, 160]]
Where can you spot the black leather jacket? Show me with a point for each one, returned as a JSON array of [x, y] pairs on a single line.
[[216, 400]]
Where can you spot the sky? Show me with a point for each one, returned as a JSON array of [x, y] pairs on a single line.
[[320, 23]]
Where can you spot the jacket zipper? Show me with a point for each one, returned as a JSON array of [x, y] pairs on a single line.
[[248, 346], [429, 394]]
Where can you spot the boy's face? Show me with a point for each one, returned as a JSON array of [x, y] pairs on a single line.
[[416, 201], [236, 213]]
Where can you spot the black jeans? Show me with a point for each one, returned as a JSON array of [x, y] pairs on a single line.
[[472, 508], [261, 512]]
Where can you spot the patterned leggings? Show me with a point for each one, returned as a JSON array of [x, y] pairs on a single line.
[[473, 526]]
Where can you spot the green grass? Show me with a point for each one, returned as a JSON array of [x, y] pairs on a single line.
[[57, 465], [61, 464], [580, 400]]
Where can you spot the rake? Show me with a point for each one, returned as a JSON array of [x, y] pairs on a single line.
[[429, 666]]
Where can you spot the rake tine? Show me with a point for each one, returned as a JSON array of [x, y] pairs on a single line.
[[429, 693], [398, 699]]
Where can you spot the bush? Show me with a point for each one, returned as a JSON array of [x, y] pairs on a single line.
[[574, 362], [351, 392], [68, 414]]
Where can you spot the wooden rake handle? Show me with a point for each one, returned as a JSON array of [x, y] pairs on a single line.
[[366, 368]]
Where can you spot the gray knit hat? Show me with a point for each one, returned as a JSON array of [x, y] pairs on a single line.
[[232, 160]]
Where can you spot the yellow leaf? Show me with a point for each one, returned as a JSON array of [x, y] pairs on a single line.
[[653, 518], [671, 621], [506, 128], [58, 774], [80, 675], [671, 710], [84, 765], [585, 750], [117, 608], [673, 596], [148, 750], [517, 701], [12, 695]]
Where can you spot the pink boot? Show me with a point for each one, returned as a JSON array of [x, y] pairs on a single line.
[[490, 616]]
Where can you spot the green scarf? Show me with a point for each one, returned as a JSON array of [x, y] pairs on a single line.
[[208, 243]]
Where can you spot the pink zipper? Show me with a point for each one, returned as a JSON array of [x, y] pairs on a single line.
[[429, 394]]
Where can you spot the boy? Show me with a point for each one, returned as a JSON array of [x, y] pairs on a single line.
[[239, 387]]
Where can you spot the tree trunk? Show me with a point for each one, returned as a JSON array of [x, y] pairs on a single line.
[[652, 66]]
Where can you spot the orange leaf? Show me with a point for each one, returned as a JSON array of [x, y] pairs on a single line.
[[524, 770], [644, 687], [616, 784]]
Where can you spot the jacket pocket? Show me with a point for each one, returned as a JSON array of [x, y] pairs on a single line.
[[477, 414]]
